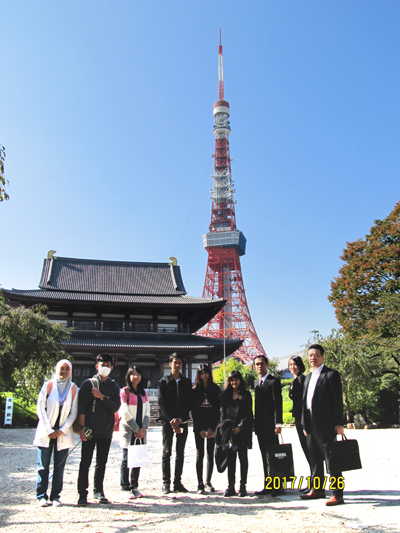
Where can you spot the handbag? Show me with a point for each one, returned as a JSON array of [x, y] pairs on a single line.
[[138, 455], [280, 460], [342, 455]]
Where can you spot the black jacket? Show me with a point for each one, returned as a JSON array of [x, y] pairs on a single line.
[[205, 407], [100, 418], [241, 414], [296, 395], [327, 402], [171, 406], [268, 404]]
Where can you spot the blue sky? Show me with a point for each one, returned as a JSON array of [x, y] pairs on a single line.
[[106, 117]]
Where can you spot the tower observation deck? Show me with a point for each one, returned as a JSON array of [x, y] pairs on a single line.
[[225, 244]]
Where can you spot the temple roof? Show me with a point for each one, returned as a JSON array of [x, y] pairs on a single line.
[[151, 341], [111, 277]]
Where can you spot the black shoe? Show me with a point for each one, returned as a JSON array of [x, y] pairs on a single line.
[[242, 492], [277, 492], [166, 488], [209, 487], [180, 488], [230, 491], [82, 500], [200, 489], [264, 492], [100, 498]]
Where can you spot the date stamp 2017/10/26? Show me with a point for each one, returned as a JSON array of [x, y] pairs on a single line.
[[293, 482]]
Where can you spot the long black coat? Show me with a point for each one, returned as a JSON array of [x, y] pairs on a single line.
[[241, 414], [296, 395]]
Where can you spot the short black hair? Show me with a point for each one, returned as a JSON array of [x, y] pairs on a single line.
[[299, 362], [316, 347], [262, 357], [175, 355], [106, 358]]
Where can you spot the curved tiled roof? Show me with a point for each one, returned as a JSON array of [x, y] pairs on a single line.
[[45, 294], [168, 341], [111, 277]]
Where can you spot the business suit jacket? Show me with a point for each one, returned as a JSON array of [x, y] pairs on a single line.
[[268, 405], [327, 402]]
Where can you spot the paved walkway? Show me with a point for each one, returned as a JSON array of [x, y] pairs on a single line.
[[372, 494]]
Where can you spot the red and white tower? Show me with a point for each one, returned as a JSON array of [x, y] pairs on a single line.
[[225, 244]]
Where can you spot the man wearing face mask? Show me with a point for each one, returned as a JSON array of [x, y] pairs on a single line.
[[98, 401]]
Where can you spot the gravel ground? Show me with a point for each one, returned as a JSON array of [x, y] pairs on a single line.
[[372, 494]]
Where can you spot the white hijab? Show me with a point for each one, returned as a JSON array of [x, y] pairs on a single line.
[[63, 385]]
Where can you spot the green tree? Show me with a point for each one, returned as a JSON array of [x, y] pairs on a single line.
[[366, 293], [248, 372], [3, 181], [371, 270], [30, 346]]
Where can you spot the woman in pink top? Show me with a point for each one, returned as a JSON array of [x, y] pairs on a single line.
[[134, 420]]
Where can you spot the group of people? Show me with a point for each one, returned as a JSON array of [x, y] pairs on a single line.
[[317, 409]]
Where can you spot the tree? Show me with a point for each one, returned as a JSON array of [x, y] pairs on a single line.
[[366, 294], [360, 372], [371, 271], [248, 372], [3, 181], [30, 346]]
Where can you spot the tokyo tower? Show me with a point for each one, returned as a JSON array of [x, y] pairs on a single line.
[[225, 243]]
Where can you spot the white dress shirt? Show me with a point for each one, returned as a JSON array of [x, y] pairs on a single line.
[[315, 373]]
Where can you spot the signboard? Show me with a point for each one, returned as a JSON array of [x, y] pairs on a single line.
[[8, 411]]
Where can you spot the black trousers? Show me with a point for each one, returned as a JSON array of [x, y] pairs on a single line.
[[167, 437], [102, 449], [265, 438], [244, 465], [210, 444], [315, 445], [302, 438]]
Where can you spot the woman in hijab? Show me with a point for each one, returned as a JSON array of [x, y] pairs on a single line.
[[57, 408]]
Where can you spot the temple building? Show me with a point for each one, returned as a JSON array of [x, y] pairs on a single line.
[[138, 312]]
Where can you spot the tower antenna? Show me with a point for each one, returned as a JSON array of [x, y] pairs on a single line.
[[220, 71]]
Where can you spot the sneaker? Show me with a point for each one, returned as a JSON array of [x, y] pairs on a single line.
[[57, 503], [82, 500], [42, 502], [127, 496], [100, 498], [180, 488], [166, 488], [209, 487], [200, 489], [136, 493]]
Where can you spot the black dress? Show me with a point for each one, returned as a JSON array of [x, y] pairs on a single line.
[[240, 412], [296, 395]]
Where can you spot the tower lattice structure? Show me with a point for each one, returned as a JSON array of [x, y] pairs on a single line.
[[225, 244]]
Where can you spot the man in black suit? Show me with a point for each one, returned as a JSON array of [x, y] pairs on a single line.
[[322, 420], [268, 417], [174, 401]]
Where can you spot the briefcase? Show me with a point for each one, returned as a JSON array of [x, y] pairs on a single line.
[[280, 460], [342, 455]]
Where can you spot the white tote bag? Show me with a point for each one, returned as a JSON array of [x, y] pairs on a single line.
[[138, 455]]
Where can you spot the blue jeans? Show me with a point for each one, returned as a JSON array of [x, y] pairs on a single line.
[[44, 457]]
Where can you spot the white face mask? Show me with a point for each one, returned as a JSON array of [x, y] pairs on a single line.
[[103, 371]]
